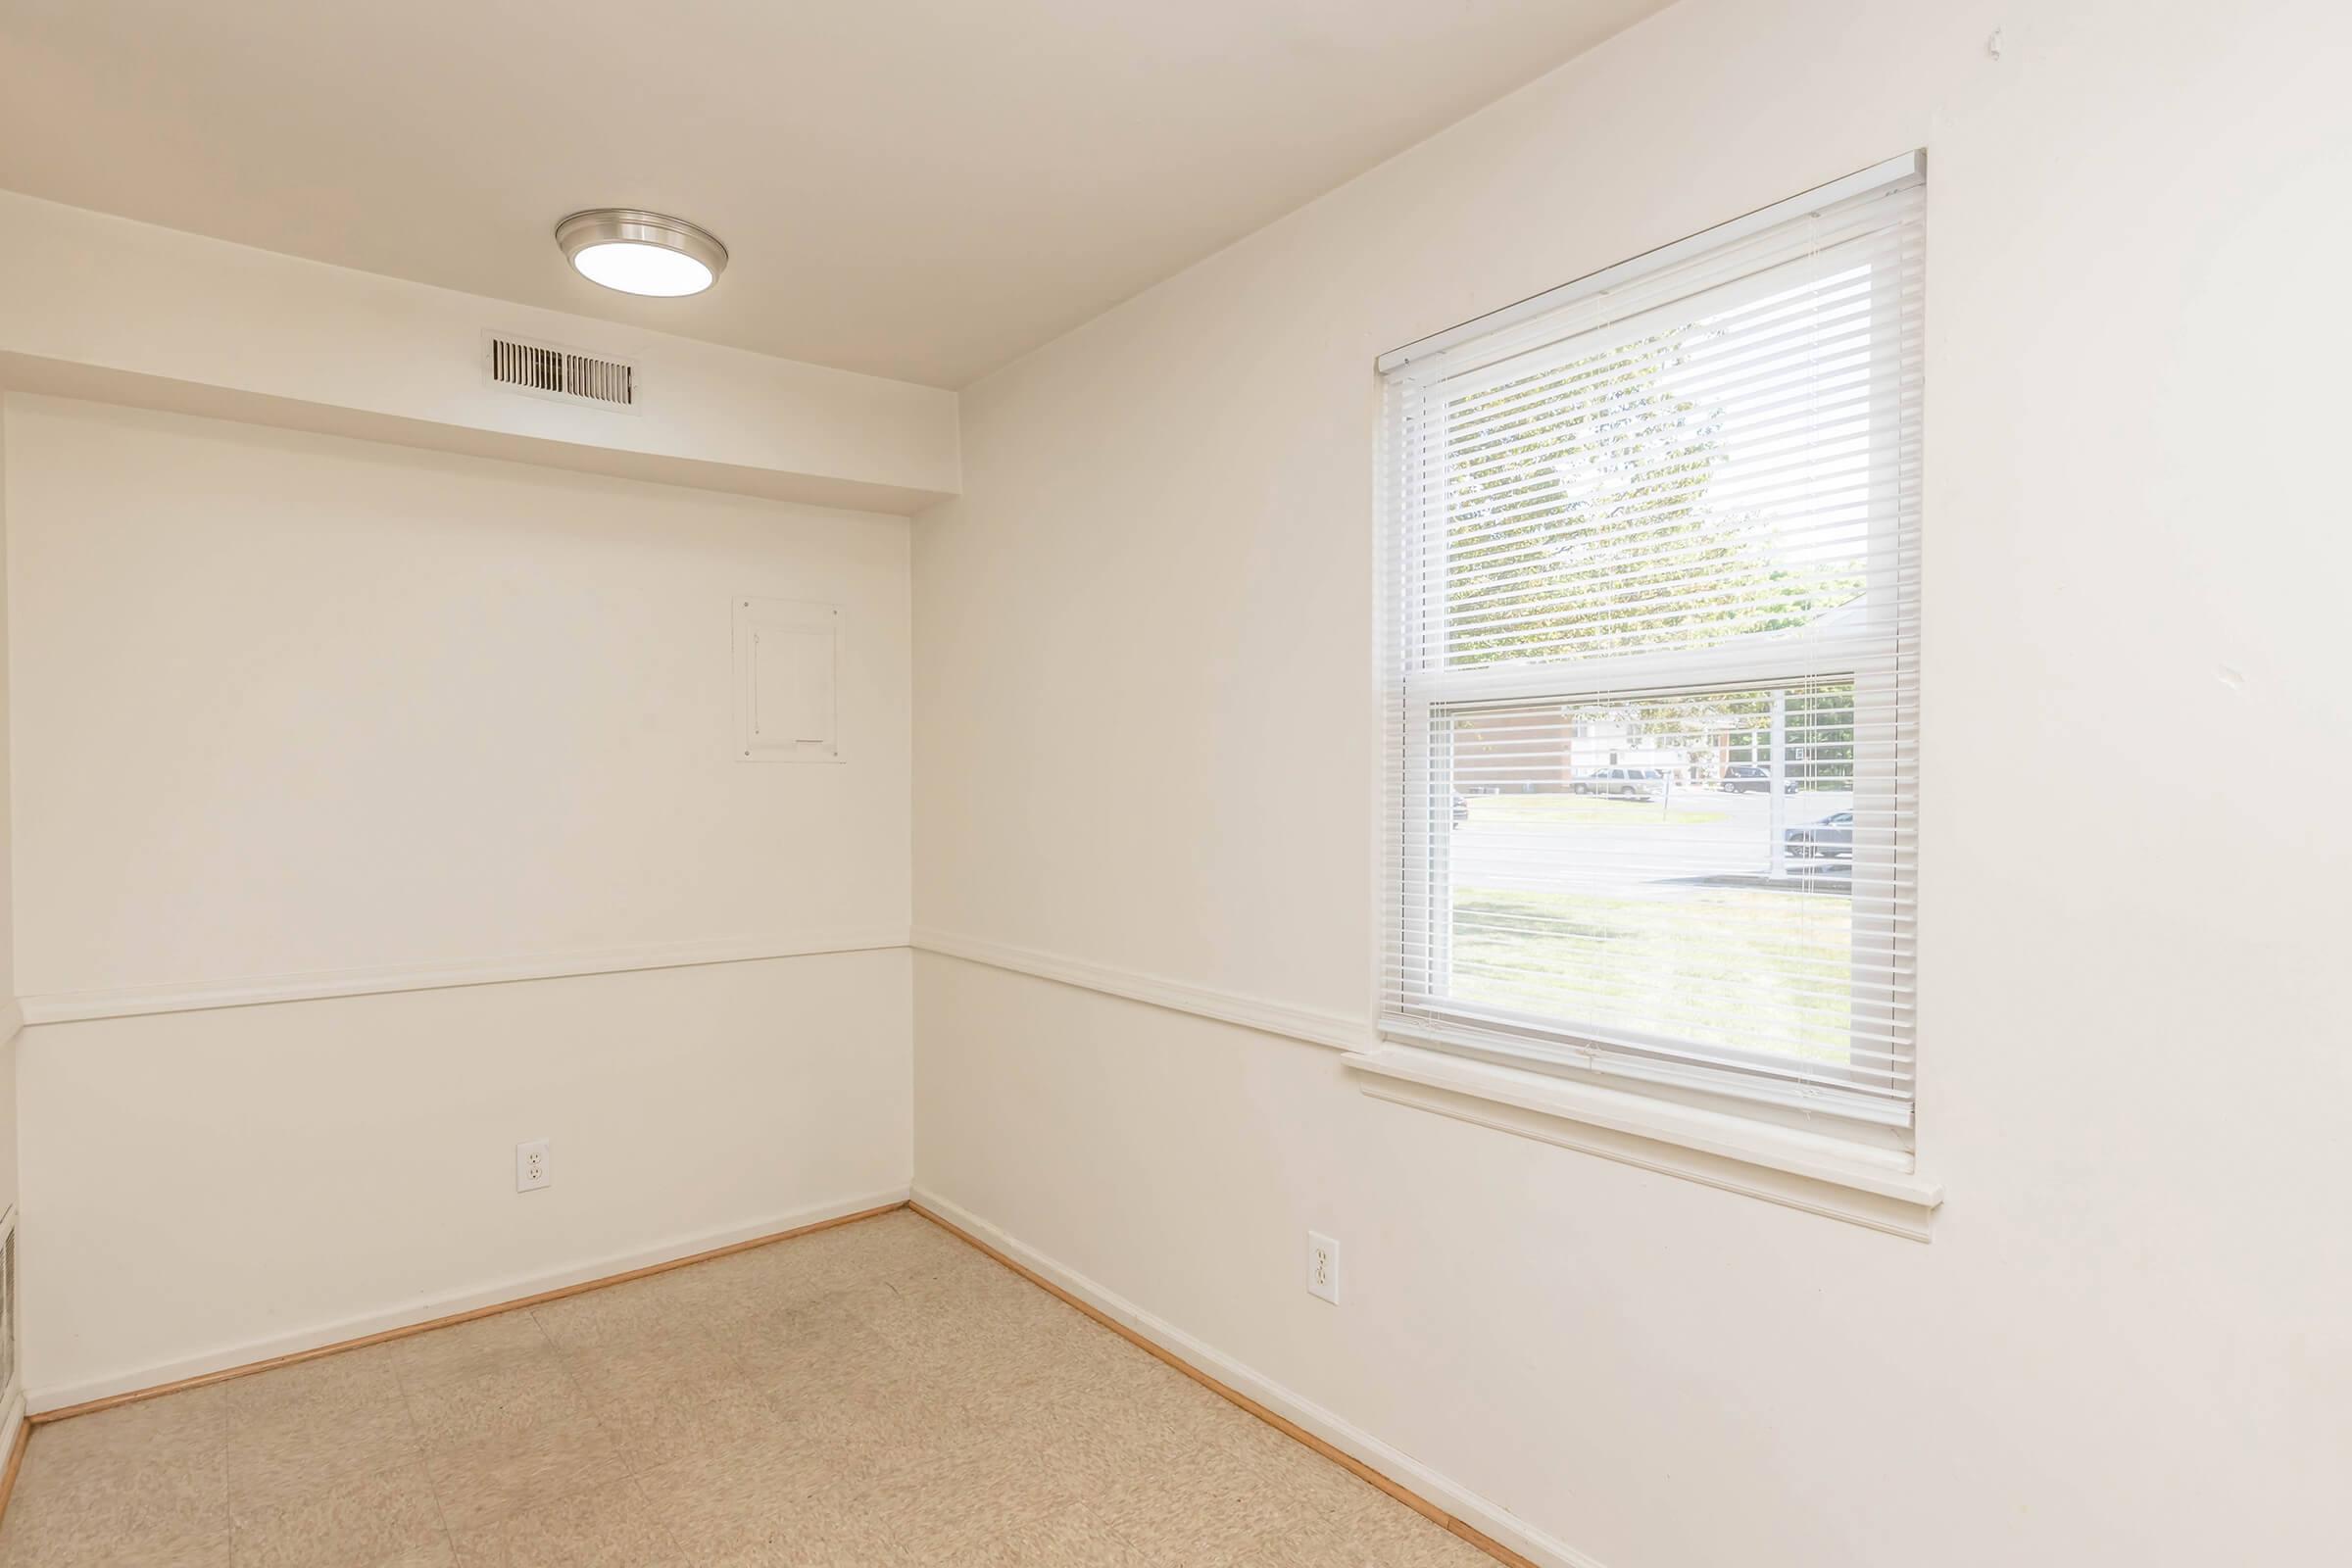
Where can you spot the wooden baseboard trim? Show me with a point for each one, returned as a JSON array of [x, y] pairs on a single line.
[[93, 1406], [15, 1462], [1290, 1429], [1281, 1424]]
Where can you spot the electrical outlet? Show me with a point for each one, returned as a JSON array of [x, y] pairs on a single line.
[[532, 1169], [1322, 1267]]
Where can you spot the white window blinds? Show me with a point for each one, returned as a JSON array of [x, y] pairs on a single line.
[[1650, 637]]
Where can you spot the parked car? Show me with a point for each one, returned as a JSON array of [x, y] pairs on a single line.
[[1639, 783], [1832, 835], [1752, 778]]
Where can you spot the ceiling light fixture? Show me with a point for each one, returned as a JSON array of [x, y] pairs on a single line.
[[641, 253]]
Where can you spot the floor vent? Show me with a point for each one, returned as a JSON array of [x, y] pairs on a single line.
[[548, 371]]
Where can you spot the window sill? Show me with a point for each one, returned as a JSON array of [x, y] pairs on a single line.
[[1818, 1173]]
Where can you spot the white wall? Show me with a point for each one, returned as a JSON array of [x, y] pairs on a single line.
[[1146, 735], [97, 306], [208, 1189], [294, 712], [10, 1016], [287, 704]]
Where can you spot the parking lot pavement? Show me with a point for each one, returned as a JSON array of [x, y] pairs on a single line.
[[1632, 845]]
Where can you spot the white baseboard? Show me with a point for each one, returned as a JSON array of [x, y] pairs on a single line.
[[1357, 1443], [39, 1400]]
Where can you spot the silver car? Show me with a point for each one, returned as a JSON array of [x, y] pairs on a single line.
[[1638, 783], [1831, 837]]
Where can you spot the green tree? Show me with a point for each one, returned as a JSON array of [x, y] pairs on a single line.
[[1579, 520]]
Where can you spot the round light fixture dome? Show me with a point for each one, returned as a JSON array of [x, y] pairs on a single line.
[[641, 253]]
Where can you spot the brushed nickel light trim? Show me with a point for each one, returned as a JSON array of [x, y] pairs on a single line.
[[641, 253]]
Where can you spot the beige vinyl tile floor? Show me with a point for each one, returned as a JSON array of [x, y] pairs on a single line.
[[872, 1395]]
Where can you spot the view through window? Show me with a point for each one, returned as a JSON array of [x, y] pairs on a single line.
[[1653, 633]]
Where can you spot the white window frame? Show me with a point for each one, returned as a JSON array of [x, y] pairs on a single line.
[[1417, 773]]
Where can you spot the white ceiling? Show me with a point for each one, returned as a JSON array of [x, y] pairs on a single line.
[[918, 188]]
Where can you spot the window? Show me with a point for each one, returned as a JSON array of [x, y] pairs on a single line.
[[1650, 638]]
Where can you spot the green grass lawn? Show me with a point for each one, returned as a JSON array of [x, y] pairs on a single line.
[[1752, 967]]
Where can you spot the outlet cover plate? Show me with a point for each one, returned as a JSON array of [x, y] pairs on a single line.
[[1323, 1267], [532, 1169]]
